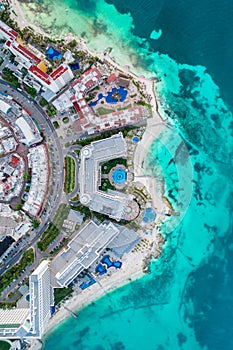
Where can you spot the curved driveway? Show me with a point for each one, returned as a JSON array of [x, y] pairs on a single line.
[[56, 154]]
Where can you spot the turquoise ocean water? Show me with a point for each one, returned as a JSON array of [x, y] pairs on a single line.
[[187, 300]]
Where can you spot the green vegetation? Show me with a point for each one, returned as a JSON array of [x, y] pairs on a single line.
[[107, 166], [4, 345], [26, 176], [72, 43], [54, 227], [102, 110], [62, 293], [83, 210], [106, 185], [56, 125], [47, 237], [125, 130], [35, 223], [1, 61], [61, 244], [69, 174], [19, 206], [65, 120], [77, 151], [43, 102], [30, 90], [123, 108], [8, 75], [51, 111], [143, 103], [12, 57], [15, 270], [75, 198]]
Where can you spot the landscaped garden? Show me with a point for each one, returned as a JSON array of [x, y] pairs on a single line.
[[8, 75], [107, 166], [69, 183], [4, 345], [56, 125], [30, 90], [53, 229], [15, 270], [106, 185], [62, 293]]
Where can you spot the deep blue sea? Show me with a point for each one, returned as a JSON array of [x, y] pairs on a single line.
[[186, 302]]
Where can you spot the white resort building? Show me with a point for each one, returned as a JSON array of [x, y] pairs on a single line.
[[111, 203], [30, 322]]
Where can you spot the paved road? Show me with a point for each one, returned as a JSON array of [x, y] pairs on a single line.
[[56, 159]]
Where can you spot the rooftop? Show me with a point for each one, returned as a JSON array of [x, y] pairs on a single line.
[[111, 203], [82, 251]]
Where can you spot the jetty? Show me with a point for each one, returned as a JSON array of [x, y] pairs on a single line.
[[71, 312]]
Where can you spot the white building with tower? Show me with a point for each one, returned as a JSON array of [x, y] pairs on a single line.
[[41, 299], [31, 322]]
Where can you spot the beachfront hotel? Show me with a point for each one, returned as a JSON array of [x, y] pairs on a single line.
[[41, 299], [30, 322], [111, 203], [84, 249], [33, 60]]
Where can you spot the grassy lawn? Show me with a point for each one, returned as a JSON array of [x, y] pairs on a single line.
[[15, 270], [4, 345], [69, 183], [65, 120], [107, 166], [54, 227], [126, 107], [102, 110]]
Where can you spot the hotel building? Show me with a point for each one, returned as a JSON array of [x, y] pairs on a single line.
[[111, 203], [30, 322]]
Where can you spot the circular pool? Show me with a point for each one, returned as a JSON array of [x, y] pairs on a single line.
[[119, 176]]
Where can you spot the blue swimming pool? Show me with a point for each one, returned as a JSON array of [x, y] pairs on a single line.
[[148, 215], [122, 95], [109, 98], [136, 139], [119, 176], [53, 54], [106, 260]]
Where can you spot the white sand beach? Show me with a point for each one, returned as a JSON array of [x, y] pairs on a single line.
[[131, 270], [132, 262]]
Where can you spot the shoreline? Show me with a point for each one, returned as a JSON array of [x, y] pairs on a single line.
[[130, 270]]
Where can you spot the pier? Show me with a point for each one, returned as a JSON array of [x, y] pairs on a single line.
[[71, 312]]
